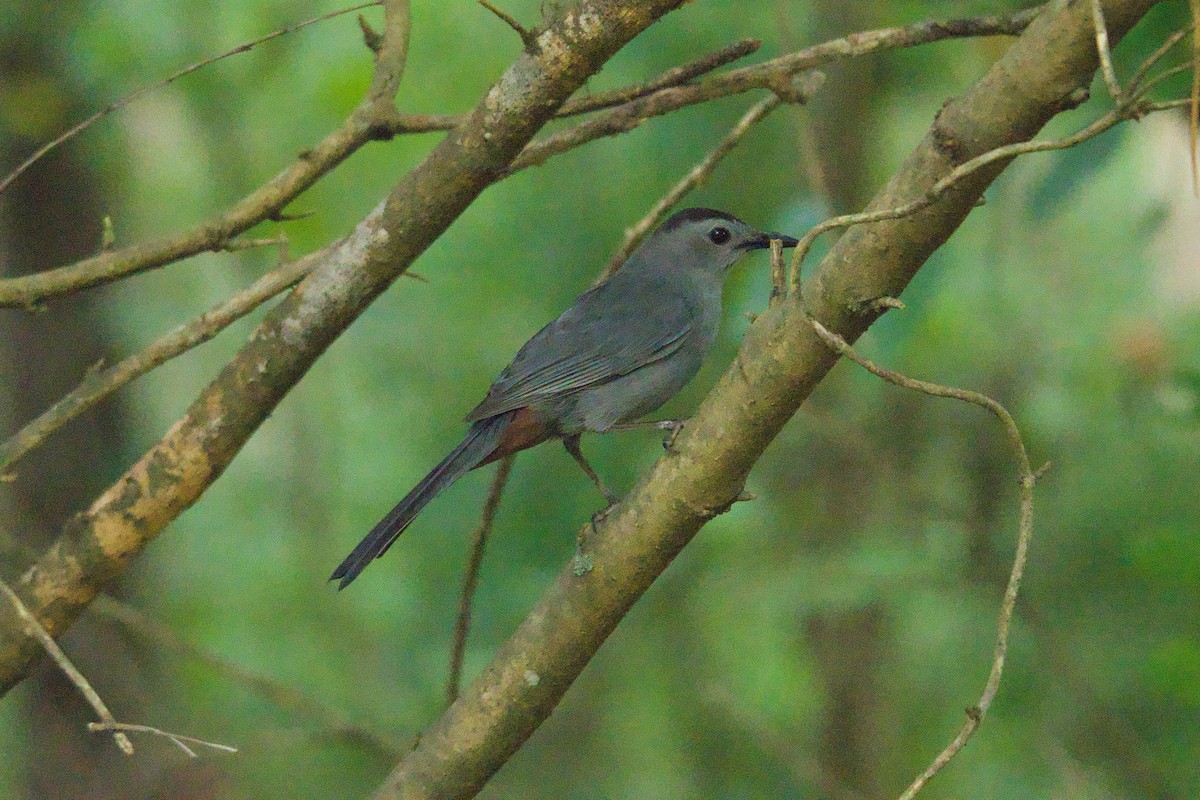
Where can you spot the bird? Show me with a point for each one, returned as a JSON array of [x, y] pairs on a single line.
[[622, 349]]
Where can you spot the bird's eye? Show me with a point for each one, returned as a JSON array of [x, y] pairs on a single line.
[[719, 235]]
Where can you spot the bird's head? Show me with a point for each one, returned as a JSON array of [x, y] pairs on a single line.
[[704, 239]]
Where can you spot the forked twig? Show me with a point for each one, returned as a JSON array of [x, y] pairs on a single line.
[[118, 729], [107, 721]]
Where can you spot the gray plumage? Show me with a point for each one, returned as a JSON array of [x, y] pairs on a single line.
[[620, 351]]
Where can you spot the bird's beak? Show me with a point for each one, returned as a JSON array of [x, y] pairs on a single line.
[[763, 241]]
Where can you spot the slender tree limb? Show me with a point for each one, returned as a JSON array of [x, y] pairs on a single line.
[[107, 721], [697, 176], [379, 120], [368, 121], [1026, 479], [675, 76], [129, 98], [99, 383], [462, 622], [97, 544], [35, 629], [780, 362], [1130, 108]]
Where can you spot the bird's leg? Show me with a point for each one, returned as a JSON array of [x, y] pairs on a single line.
[[572, 445], [672, 426]]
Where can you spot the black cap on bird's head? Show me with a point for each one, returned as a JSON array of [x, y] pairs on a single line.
[[707, 239]]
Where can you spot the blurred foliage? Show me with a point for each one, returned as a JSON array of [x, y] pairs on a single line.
[[819, 641]]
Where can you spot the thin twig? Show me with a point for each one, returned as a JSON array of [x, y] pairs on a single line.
[[74, 675], [695, 177], [1027, 478], [127, 99], [1168, 43], [1132, 107], [178, 738], [774, 74], [98, 383], [675, 76], [462, 622], [375, 119], [1194, 112], [1102, 49]]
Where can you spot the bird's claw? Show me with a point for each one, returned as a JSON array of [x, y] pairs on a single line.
[[673, 427]]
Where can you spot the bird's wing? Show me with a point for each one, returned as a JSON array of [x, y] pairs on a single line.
[[610, 331]]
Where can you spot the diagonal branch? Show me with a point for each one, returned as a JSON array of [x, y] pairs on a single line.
[[779, 364], [116, 105], [100, 382], [368, 121], [97, 544], [376, 118]]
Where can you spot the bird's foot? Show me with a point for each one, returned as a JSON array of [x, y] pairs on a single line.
[[673, 427]]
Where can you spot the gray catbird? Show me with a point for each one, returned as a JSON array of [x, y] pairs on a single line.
[[622, 350]]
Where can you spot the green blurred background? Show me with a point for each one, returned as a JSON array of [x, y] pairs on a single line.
[[821, 641]]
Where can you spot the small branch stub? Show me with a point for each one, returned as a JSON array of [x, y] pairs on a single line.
[[528, 37]]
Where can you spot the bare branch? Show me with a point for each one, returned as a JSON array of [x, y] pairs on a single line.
[[368, 121], [99, 383], [625, 118], [119, 728], [675, 76], [1102, 49], [1026, 479], [479, 539], [76, 677], [1169, 43], [124, 101]]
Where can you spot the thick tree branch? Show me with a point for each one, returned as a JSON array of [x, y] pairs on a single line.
[[376, 118], [97, 544], [779, 364]]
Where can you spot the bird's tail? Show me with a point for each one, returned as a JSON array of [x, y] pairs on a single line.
[[481, 440]]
